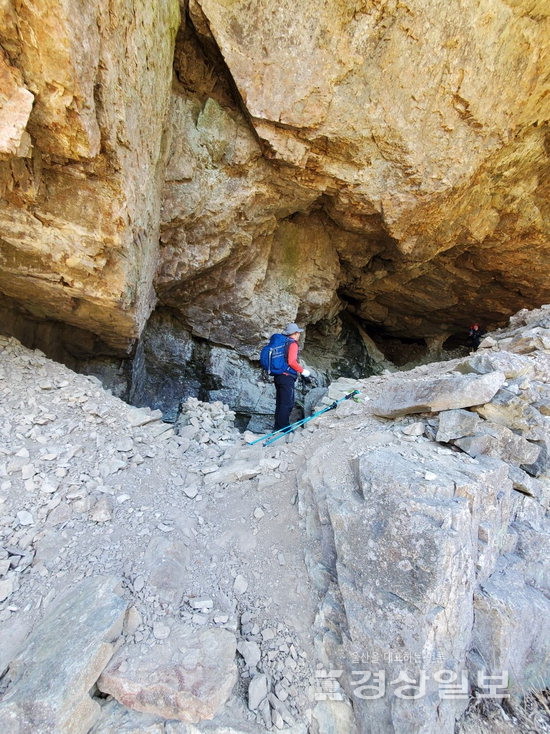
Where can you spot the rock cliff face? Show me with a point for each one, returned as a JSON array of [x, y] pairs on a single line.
[[273, 162], [80, 181]]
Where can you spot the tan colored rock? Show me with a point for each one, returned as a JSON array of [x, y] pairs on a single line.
[[437, 394], [188, 678], [15, 107], [79, 230], [397, 118], [389, 160]]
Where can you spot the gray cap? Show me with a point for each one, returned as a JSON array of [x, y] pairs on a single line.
[[291, 329]]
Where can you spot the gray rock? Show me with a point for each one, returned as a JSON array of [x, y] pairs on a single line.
[[530, 340], [250, 652], [102, 510], [511, 365], [133, 621], [50, 680], [516, 413], [332, 717], [523, 482], [415, 429], [541, 465], [405, 553], [25, 518], [456, 424], [166, 565], [240, 585], [257, 691], [500, 642], [281, 708], [188, 678], [12, 636], [235, 472], [117, 719], [437, 394], [161, 631], [499, 442], [6, 588]]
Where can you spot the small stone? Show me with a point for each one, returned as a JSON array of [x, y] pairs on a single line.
[[6, 588], [133, 621], [281, 692], [28, 471], [240, 585], [281, 708], [101, 511], [190, 492], [125, 444], [277, 719], [25, 518], [139, 583], [48, 487], [258, 513], [161, 631], [202, 603], [415, 429], [430, 476], [250, 652]]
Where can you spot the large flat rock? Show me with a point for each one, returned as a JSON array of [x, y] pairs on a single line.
[[436, 394], [62, 659], [189, 677]]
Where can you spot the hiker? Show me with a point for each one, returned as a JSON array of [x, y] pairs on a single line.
[[284, 383], [474, 336]]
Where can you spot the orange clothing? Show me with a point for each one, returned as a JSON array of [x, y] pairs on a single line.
[[292, 356]]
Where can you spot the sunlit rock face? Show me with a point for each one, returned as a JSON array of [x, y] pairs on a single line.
[[417, 130], [277, 161], [80, 188]]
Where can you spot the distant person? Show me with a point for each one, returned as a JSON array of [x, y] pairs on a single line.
[[284, 382], [475, 334]]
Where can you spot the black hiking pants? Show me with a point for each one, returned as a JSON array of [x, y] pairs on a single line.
[[284, 386]]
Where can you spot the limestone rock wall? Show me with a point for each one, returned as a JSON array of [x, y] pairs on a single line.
[[273, 162], [80, 192], [404, 127]]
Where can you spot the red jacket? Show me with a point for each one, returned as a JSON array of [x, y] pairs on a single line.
[[292, 356]]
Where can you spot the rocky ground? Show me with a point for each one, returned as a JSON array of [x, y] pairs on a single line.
[[159, 578]]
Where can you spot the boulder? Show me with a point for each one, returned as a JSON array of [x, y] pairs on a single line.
[[456, 424], [531, 340], [50, 680], [436, 394], [404, 548], [540, 466], [407, 545], [516, 413], [499, 442], [511, 365], [189, 677]]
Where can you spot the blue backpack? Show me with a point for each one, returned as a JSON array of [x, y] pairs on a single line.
[[273, 355]]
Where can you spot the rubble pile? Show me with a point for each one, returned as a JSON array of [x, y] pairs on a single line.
[[206, 422]]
